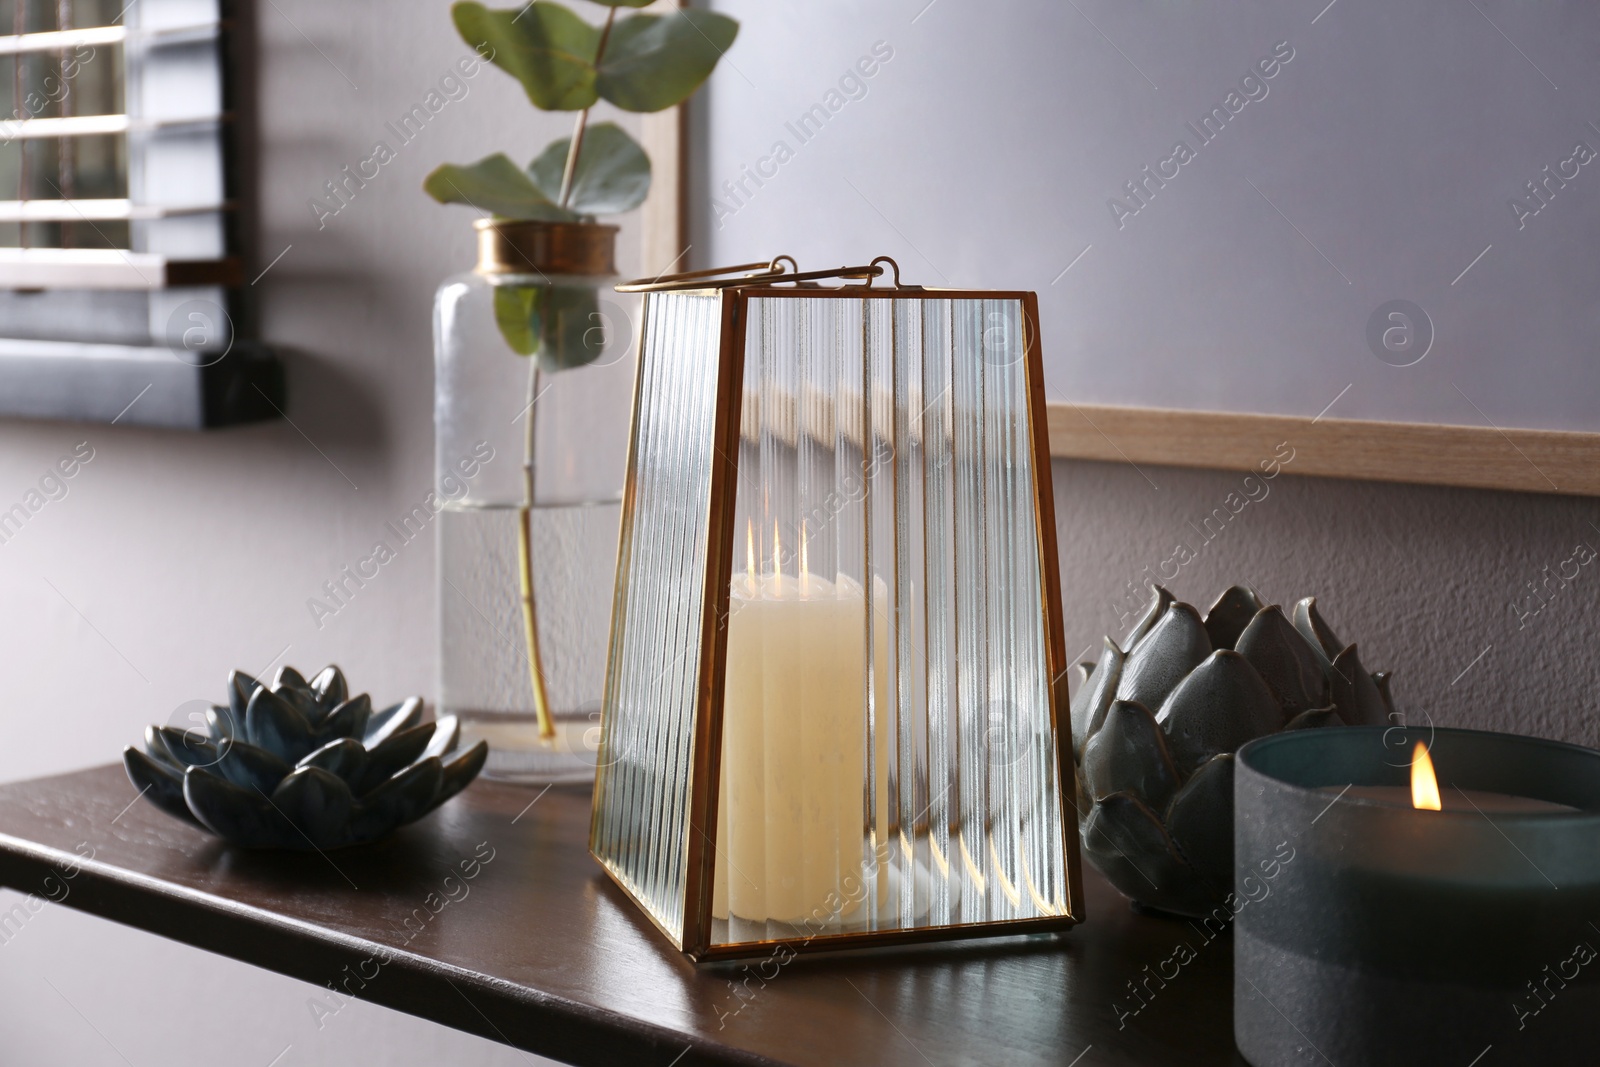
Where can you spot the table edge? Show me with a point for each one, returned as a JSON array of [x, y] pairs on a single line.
[[542, 1023]]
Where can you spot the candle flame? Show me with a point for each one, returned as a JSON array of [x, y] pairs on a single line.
[[1424, 783], [750, 551]]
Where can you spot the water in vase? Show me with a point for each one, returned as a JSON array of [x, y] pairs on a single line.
[[484, 675]]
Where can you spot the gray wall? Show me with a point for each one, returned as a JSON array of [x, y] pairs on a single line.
[[1426, 580], [175, 557]]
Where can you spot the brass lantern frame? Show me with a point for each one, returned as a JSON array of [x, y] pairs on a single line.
[[736, 286]]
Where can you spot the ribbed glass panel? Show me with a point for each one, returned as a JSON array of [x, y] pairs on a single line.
[[888, 760], [642, 787]]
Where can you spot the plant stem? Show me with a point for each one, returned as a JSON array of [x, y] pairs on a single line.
[[569, 172], [573, 149], [530, 618]]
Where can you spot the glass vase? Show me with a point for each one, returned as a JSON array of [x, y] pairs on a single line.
[[533, 388]]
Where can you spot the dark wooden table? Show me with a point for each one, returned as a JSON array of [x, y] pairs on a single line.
[[489, 916]]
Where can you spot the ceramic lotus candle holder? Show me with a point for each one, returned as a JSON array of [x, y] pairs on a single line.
[[1154, 730], [303, 765]]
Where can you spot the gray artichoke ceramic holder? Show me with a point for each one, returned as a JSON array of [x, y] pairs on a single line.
[[303, 765], [1154, 730]]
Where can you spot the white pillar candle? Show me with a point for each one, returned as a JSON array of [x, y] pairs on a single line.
[[791, 834]]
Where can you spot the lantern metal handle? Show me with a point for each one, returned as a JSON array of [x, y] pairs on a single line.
[[892, 263], [773, 272]]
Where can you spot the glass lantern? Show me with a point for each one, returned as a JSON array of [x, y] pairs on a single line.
[[836, 667], [534, 376]]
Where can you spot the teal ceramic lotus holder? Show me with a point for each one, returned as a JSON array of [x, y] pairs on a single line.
[[303, 765]]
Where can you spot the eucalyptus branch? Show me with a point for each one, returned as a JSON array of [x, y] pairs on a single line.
[[530, 612], [582, 122]]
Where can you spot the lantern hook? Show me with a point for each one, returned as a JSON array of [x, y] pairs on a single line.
[[879, 273], [780, 269]]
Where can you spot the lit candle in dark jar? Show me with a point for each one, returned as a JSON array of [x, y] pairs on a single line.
[[1423, 793], [1454, 926]]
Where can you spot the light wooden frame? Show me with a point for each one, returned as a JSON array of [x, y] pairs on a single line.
[[1477, 457]]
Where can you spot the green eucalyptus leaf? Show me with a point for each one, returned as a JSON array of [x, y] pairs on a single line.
[[652, 62], [543, 45], [624, 3], [493, 184], [516, 312], [613, 172], [573, 330], [560, 325]]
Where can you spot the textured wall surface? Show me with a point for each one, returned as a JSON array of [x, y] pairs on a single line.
[[1459, 592]]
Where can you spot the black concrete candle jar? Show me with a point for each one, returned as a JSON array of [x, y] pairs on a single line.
[[1394, 935]]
